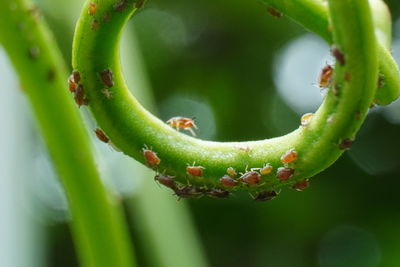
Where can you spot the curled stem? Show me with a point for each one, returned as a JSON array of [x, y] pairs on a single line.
[[316, 145]]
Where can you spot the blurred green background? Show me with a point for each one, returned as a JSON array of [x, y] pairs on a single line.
[[244, 75]]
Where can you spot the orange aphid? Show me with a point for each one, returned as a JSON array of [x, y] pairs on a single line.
[[325, 76], [195, 170], [267, 169], [183, 123], [92, 8], [289, 156], [151, 157]]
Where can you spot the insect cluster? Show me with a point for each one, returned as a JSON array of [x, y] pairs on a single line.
[[75, 87]]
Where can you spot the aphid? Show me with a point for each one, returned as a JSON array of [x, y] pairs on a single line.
[[34, 52], [284, 174], [326, 76], [189, 192], [139, 4], [251, 178], [275, 13], [107, 17], [381, 80], [92, 8], [338, 55], [195, 171], [231, 172], [182, 123], [265, 196], [345, 143], [121, 5], [267, 169], [95, 25], [80, 96], [106, 77], [76, 76], [228, 181], [289, 156], [151, 157], [218, 193], [166, 180], [101, 135], [107, 93], [71, 84], [51, 74], [347, 76], [300, 186], [306, 119]]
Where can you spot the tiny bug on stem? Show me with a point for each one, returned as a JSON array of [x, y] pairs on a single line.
[[218, 193], [121, 5], [101, 135], [72, 85], [326, 76], [300, 186], [267, 169], [92, 8], [275, 13], [80, 96], [345, 143], [289, 156], [151, 157], [195, 171], [166, 180], [189, 192], [265, 196], [228, 181], [183, 123], [284, 174], [251, 178], [338, 54], [306, 119], [231, 172], [106, 77]]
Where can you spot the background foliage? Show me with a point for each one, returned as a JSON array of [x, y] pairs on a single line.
[[231, 66]]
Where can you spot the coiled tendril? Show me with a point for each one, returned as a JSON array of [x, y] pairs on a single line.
[[216, 168]]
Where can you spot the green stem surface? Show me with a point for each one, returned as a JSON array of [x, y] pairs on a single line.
[[97, 223]]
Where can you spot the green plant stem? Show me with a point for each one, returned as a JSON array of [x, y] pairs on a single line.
[[97, 223], [313, 15], [132, 128], [163, 221]]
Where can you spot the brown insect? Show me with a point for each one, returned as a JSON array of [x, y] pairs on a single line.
[[306, 119], [346, 143], [195, 170], [218, 193], [228, 181], [72, 85], [265, 196], [106, 77], [79, 96], [151, 157], [231, 172], [34, 52], [107, 17], [121, 5], [275, 13], [251, 178], [182, 123], [284, 174], [139, 3], [76, 76], [338, 54], [300, 186], [267, 169], [95, 25], [92, 8], [325, 76], [189, 192], [289, 156], [101, 135], [166, 180]]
